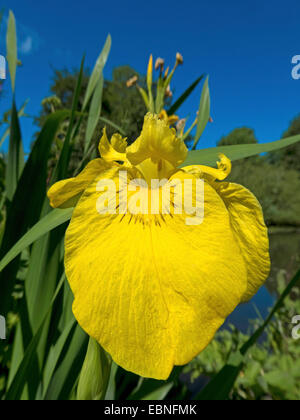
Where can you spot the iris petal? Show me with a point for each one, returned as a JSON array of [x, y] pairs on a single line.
[[250, 231], [220, 173], [114, 151], [65, 193], [152, 290], [157, 141]]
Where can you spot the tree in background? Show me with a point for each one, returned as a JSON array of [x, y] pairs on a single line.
[[120, 105], [242, 135], [124, 105], [290, 156], [276, 187]]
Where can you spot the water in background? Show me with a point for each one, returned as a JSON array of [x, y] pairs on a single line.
[[285, 255]]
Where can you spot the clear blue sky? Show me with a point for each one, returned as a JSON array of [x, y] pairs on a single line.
[[245, 46]]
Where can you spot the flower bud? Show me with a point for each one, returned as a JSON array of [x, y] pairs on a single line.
[[179, 58], [159, 64], [168, 92], [181, 124], [132, 81], [94, 376]]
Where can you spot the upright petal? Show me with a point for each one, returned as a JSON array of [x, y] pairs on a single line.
[[157, 141], [151, 289], [250, 231], [114, 151]]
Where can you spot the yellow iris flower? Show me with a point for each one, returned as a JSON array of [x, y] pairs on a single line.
[[151, 289]]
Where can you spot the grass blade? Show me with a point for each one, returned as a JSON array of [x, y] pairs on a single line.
[[15, 390], [52, 220], [204, 113], [210, 156], [54, 355], [21, 113], [11, 47], [159, 394], [15, 159], [21, 217], [113, 125], [148, 388], [97, 72], [94, 114], [67, 373], [61, 169]]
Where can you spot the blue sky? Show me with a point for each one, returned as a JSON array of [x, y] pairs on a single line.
[[246, 48]]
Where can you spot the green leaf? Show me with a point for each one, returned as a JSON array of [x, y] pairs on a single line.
[[111, 388], [97, 72], [211, 155], [15, 390], [17, 354], [105, 121], [144, 95], [44, 270], [184, 96], [204, 112], [68, 371], [21, 113], [280, 380], [21, 216], [112, 124], [160, 393], [52, 220], [46, 258], [11, 47], [94, 113], [61, 169], [15, 159], [54, 355], [61, 324], [220, 386], [154, 389]]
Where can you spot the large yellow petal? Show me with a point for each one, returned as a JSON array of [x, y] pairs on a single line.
[[157, 141], [247, 221], [66, 193], [150, 289]]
